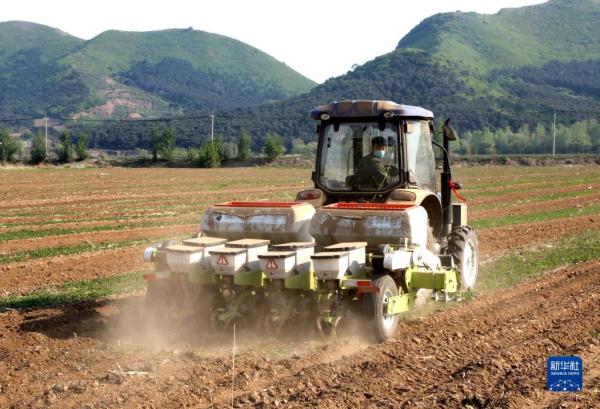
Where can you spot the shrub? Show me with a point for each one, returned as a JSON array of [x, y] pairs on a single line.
[[81, 147], [64, 151], [229, 150], [38, 149], [9, 146], [273, 147], [209, 155], [167, 145], [155, 142], [191, 154], [244, 145]]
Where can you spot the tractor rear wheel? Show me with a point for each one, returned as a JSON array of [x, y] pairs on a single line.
[[375, 308], [463, 246]]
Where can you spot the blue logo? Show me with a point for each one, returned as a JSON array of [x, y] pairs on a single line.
[[564, 374]]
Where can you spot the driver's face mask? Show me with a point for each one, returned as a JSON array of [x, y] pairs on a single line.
[[379, 154]]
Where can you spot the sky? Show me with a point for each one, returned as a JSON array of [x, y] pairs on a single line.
[[318, 38]]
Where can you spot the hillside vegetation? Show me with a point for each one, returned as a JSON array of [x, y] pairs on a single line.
[[117, 74], [503, 70]]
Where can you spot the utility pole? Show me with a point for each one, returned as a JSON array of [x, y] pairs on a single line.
[[554, 136], [212, 127], [46, 126]]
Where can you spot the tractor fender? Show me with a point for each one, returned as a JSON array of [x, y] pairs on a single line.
[[419, 197]]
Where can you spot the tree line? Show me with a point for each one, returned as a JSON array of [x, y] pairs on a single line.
[[211, 153], [580, 137], [11, 148]]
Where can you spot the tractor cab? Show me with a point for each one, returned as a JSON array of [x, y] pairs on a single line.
[[367, 149]]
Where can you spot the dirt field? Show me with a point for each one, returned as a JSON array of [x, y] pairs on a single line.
[[60, 225]]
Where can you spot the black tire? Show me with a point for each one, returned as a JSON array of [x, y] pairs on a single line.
[[463, 246], [383, 325]]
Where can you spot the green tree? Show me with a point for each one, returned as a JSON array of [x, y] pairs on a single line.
[[167, 145], [273, 146], [244, 145], [64, 151], [541, 140], [308, 150], [521, 139], [191, 154], [156, 142], [9, 146], [580, 140], [229, 150], [209, 155], [483, 142], [38, 149], [594, 130], [81, 147]]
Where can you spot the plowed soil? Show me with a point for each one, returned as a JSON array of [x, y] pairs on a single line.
[[490, 352], [486, 353]]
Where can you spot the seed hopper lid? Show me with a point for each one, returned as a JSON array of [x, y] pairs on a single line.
[[293, 246], [204, 241], [330, 254], [247, 243], [227, 251], [346, 246]]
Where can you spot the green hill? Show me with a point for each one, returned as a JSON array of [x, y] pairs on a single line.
[[506, 69], [560, 30], [120, 74], [115, 52], [509, 69], [31, 79], [19, 36]]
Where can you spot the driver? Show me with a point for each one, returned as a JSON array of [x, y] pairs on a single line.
[[370, 170]]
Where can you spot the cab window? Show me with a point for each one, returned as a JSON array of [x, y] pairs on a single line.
[[420, 157]]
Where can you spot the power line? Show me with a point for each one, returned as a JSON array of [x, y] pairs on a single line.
[[252, 117]]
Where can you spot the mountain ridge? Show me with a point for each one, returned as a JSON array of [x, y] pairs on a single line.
[[438, 65], [103, 62], [509, 69]]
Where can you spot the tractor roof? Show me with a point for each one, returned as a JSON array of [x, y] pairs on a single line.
[[368, 108]]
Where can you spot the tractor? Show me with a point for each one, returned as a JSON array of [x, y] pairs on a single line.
[[378, 227]]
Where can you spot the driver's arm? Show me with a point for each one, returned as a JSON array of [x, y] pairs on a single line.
[[378, 171], [372, 169]]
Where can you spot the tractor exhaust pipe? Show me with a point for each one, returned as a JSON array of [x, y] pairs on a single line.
[[446, 177]]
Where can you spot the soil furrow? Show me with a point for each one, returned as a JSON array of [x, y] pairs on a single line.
[[489, 353]]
